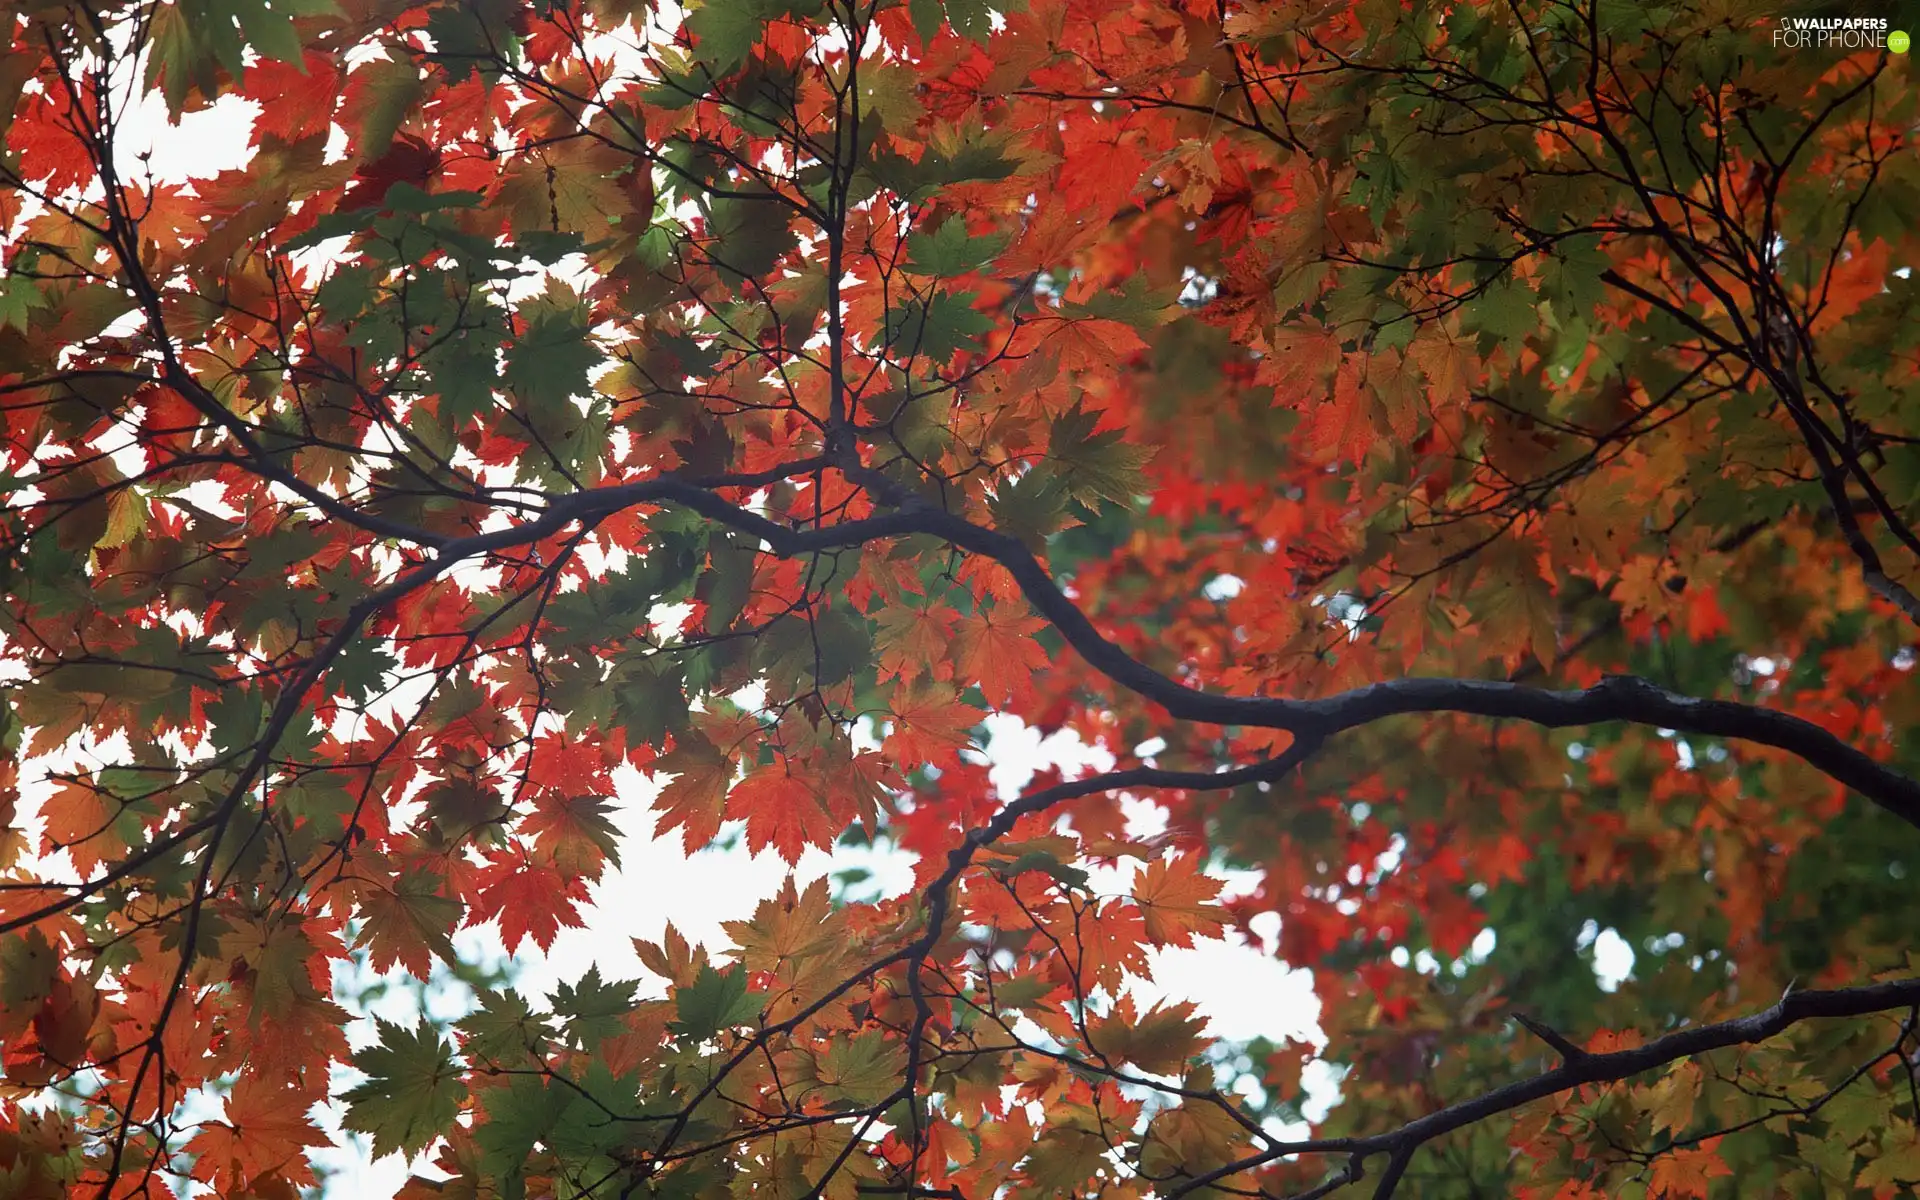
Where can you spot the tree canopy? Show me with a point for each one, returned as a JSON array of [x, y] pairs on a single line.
[[1461, 460]]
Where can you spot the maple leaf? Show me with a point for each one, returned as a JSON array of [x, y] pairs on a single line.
[[548, 363], [1176, 901], [413, 1092], [1341, 428], [531, 900], [31, 971], [695, 800], [409, 160], [1673, 1098], [1160, 1041], [1691, 1172], [1898, 1164], [997, 650], [788, 927], [857, 1071], [80, 819], [1063, 1159], [713, 1001], [913, 641], [1106, 943], [1191, 1140], [576, 832], [265, 1132], [782, 810], [1095, 466], [277, 961], [1091, 344], [570, 766], [1447, 365], [930, 725], [950, 250], [410, 923]]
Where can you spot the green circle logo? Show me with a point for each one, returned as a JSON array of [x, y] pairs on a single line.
[[1898, 41]]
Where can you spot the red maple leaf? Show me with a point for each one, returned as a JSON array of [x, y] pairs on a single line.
[[782, 811], [532, 900]]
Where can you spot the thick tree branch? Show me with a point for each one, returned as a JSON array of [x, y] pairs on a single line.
[[1619, 698], [1612, 1067]]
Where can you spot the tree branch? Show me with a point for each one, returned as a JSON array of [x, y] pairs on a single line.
[[1612, 1067]]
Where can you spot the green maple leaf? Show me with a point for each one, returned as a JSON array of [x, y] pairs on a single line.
[[860, 1071], [1136, 302], [269, 28], [1572, 276], [974, 154], [518, 1115], [190, 46], [750, 234], [715, 1000], [649, 698], [410, 924], [549, 362], [1506, 312], [281, 981], [927, 16], [593, 1007], [972, 19], [1046, 863], [940, 328], [725, 32], [360, 671], [392, 88], [1063, 1159], [1031, 508], [28, 966], [1898, 1163], [464, 371], [414, 1093], [503, 1030], [950, 250], [19, 296], [597, 1116], [1095, 466], [471, 34]]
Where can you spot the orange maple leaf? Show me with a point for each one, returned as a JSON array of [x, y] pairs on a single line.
[[1342, 428], [1104, 944], [1688, 1172], [1093, 343], [914, 641], [930, 725], [997, 651], [79, 818], [266, 1132], [695, 800], [1176, 901]]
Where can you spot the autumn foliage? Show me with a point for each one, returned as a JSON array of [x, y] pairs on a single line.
[[1461, 463]]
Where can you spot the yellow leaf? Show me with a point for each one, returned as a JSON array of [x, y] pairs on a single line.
[[1899, 1162], [126, 518], [1672, 1098]]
